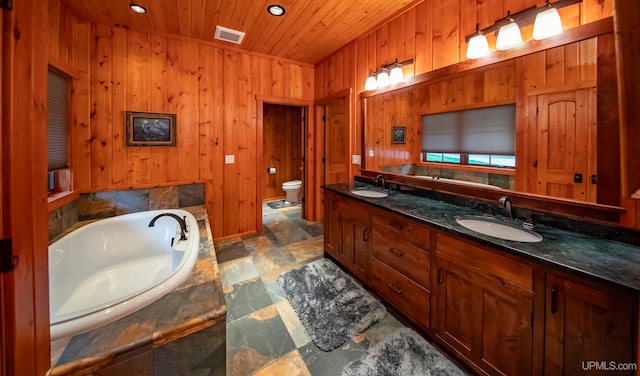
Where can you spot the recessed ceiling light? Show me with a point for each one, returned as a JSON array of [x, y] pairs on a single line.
[[137, 8], [275, 10]]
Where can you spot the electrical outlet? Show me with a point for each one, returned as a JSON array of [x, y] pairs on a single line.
[[229, 159], [371, 153], [355, 159]]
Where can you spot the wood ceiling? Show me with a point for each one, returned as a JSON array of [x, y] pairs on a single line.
[[309, 31]]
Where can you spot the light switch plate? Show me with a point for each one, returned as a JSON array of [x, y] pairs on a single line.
[[229, 159], [355, 159], [371, 153]]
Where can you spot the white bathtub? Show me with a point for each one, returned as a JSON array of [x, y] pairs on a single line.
[[110, 268]]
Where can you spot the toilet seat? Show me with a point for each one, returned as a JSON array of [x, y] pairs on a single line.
[[292, 184]]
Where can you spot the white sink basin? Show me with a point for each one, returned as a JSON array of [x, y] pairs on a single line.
[[369, 193], [499, 229]]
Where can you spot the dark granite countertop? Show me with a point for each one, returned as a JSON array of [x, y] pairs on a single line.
[[602, 259], [196, 304]]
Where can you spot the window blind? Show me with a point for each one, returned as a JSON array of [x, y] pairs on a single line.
[[57, 120], [489, 130]]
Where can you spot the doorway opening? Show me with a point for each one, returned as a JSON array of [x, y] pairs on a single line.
[[283, 152]]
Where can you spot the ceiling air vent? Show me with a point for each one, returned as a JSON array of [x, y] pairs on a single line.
[[229, 35]]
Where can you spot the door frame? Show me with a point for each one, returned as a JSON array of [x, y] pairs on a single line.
[[309, 187]]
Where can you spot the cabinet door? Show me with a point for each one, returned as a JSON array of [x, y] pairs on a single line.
[[585, 329], [331, 225], [457, 315], [488, 324], [355, 233]]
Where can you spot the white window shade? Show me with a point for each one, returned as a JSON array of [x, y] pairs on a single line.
[[57, 120], [489, 130]]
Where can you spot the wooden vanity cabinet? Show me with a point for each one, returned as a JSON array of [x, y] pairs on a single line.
[[586, 323], [479, 302], [484, 307], [348, 233], [401, 265]]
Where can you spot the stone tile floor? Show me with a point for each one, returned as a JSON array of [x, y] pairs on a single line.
[[264, 334]]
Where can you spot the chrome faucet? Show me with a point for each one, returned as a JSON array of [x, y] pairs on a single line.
[[505, 203], [380, 179], [181, 221]]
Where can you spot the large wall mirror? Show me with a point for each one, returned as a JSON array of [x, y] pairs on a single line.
[[543, 124]]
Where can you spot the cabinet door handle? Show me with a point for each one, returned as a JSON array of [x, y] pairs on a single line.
[[396, 252], [439, 276], [397, 226], [395, 289], [365, 234], [333, 205], [554, 300]]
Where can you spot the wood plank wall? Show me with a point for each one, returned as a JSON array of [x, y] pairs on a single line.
[[433, 35], [212, 90], [426, 34], [282, 140]]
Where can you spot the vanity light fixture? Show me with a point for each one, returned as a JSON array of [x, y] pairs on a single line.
[[478, 45], [138, 8], [370, 83], [275, 10], [509, 35], [388, 74], [547, 23], [383, 78], [396, 75], [545, 19]]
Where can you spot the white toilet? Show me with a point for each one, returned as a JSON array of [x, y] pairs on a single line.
[[292, 191]]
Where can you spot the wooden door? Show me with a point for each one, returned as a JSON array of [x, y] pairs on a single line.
[[3, 357], [456, 318], [567, 145], [336, 142], [25, 289], [488, 324], [331, 225], [355, 232], [585, 324], [507, 332]]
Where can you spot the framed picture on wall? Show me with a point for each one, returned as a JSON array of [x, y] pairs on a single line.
[[398, 135], [150, 129]]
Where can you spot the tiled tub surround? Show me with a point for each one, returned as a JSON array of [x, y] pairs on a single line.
[[607, 260], [182, 333], [108, 204], [497, 180]]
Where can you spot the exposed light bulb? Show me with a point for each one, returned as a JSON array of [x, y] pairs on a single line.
[[370, 83], [477, 47], [383, 79], [397, 75], [509, 36], [547, 24]]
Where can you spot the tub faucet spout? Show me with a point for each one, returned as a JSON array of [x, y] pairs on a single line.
[[181, 221]]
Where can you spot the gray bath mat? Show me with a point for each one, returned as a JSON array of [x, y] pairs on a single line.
[[403, 353], [332, 307], [280, 204]]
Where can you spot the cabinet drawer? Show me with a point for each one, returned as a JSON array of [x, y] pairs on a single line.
[[404, 257], [503, 270], [399, 227], [410, 299]]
